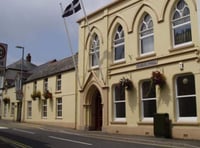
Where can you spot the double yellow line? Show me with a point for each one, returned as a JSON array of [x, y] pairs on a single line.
[[13, 142]]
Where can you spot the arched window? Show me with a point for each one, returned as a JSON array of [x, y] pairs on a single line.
[[118, 44], [181, 25], [146, 35], [94, 51]]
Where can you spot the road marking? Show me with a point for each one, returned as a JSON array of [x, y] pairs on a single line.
[[143, 141], [13, 142], [61, 131], [1, 127], [23, 131], [69, 133], [68, 140]]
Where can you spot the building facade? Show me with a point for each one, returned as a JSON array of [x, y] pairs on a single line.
[[12, 106], [140, 57], [48, 95]]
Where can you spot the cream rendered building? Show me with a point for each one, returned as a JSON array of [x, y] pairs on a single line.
[[49, 96], [141, 57], [59, 105], [152, 45]]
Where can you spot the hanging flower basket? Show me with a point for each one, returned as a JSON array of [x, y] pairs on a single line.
[[158, 78], [47, 94], [6, 100], [35, 95], [126, 83]]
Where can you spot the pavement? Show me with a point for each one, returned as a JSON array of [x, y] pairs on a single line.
[[171, 143]]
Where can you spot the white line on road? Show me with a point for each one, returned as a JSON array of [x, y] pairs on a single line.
[[1, 127], [23, 131], [68, 140], [69, 133], [60, 131]]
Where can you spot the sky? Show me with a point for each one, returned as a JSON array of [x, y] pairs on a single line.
[[37, 25]]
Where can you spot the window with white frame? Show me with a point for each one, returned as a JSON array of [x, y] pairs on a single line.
[[59, 107], [186, 97], [148, 94], [94, 51], [45, 84], [44, 108], [29, 109], [58, 82], [146, 35], [181, 24], [119, 45], [119, 103]]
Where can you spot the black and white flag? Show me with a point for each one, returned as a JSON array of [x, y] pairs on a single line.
[[72, 8]]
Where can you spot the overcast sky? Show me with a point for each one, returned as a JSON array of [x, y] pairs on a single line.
[[38, 26]]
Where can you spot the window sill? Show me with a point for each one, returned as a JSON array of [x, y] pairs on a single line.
[[180, 47], [58, 92], [59, 118], [93, 68], [145, 123], [118, 122], [146, 56], [118, 62], [186, 123]]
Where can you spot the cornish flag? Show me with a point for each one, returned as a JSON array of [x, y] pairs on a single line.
[[72, 8]]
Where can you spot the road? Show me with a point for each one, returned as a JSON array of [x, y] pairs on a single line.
[[23, 135]]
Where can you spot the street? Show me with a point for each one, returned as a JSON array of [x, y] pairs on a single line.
[[22, 135]]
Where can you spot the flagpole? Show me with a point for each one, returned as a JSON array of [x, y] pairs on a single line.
[[88, 26], [70, 46]]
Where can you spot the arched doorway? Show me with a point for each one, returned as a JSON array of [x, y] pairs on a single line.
[[96, 111]]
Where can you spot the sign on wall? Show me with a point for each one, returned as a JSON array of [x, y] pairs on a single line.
[[3, 55]]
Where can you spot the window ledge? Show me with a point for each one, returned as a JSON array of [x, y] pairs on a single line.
[[118, 62], [118, 122], [180, 47], [145, 123], [93, 68], [146, 56], [186, 123], [59, 118], [58, 92]]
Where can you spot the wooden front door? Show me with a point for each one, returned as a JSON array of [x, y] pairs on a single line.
[[97, 112]]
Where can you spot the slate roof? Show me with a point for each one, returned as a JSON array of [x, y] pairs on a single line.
[[14, 69], [27, 66], [53, 67]]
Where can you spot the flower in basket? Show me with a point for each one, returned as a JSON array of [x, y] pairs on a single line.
[[36, 94], [6, 100], [47, 94], [126, 83], [158, 78]]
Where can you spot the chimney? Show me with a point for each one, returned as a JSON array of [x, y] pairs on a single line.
[[28, 57]]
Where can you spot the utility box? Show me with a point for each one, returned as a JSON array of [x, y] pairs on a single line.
[[162, 125]]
